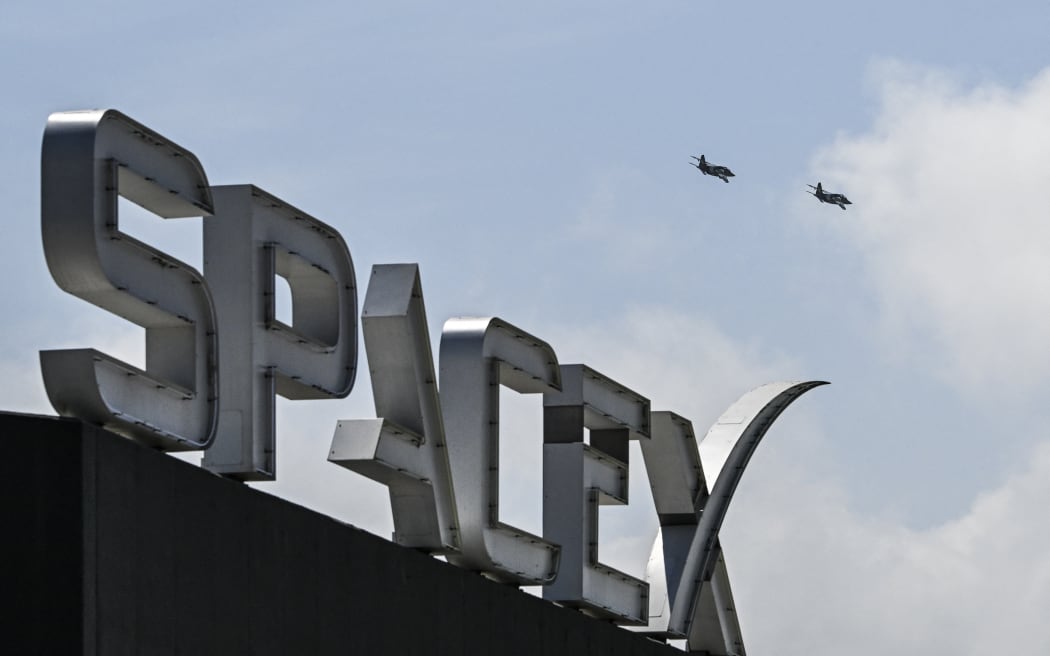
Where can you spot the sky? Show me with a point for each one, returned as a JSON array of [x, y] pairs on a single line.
[[532, 158]]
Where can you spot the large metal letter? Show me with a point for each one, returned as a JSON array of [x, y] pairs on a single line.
[[405, 448], [577, 477], [477, 356], [676, 478], [252, 238], [687, 568], [89, 159]]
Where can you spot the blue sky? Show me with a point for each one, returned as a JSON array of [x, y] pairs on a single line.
[[532, 158]]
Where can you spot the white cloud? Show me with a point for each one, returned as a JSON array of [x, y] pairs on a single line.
[[951, 194], [681, 362], [950, 216], [813, 577]]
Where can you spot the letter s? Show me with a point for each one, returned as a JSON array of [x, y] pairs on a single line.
[[88, 159]]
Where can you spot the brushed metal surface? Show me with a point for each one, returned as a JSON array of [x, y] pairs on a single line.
[[88, 159], [405, 449], [252, 238], [478, 355], [578, 478]]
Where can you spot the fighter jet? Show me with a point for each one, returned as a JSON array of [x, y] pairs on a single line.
[[825, 197], [722, 172]]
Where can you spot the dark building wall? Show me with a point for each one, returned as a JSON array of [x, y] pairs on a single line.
[[111, 548]]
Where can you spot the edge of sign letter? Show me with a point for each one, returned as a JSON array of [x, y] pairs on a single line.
[[254, 237], [477, 356], [676, 477], [88, 159], [405, 448], [578, 477], [728, 447]]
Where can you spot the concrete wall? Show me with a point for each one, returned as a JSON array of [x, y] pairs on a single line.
[[111, 548]]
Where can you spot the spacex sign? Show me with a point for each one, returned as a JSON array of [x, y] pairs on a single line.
[[217, 356]]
